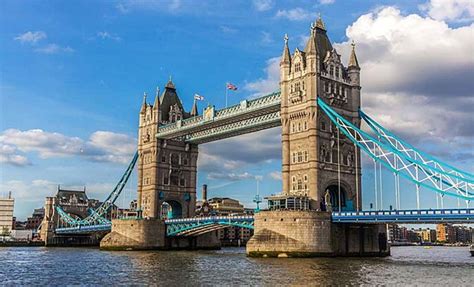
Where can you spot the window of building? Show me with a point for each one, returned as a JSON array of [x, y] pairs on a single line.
[[299, 127], [165, 180], [331, 70], [182, 181], [305, 155], [300, 156], [323, 125], [300, 184], [163, 159], [305, 177], [185, 161], [305, 126], [337, 72]]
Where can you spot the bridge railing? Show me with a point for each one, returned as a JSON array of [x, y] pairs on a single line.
[[208, 218], [406, 212]]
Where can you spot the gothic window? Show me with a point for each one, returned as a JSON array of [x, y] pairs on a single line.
[[331, 70], [337, 72], [305, 155], [165, 180], [294, 158], [174, 159], [300, 184], [182, 181], [300, 156], [185, 161], [299, 126], [163, 159], [293, 127], [298, 67], [305, 126], [303, 86], [297, 86], [305, 177]]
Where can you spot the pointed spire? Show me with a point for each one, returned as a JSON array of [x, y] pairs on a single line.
[[311, 47], [320, 23], [286, 58], [194, 111], [156, 104], [170, 84], [353, 58], [144, 103]]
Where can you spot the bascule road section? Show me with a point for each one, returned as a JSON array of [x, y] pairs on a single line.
[[318, 211]]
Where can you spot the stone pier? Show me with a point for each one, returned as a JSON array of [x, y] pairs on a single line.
[[311, 233], [150, 234]]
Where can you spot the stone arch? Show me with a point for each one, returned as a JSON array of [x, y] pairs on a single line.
[[331, 195], [171, 209]]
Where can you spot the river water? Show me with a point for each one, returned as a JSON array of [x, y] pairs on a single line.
[[81, 266]]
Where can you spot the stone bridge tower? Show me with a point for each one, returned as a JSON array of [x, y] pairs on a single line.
[[166, 168], [312, 168]]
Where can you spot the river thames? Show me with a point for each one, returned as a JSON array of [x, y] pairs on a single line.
[[230, 266]]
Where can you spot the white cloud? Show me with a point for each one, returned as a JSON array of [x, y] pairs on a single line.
[[101, 146], [9, 155], [104, 35], [276, 175], [54, 49], [263, 5], [450, 10], [228, 30], [31, 37], [326, 2], [270, 83], [230, 176], [416, 78], [296, 14]]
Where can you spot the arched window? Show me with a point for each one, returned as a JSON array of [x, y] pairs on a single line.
[[305, 155], [300, 184], [305, 126]]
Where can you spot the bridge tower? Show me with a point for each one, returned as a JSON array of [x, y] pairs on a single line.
[[310, 149], [320, 166], [166, 168]]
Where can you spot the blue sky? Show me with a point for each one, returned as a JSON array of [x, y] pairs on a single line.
[[72, 76]]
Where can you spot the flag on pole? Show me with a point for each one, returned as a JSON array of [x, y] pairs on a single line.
[[231, 86], [198, 97]]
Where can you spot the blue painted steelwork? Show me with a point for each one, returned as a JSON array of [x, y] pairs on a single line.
[[398, 162], [201, 225], [406, 216], [83, 229], [96, 218]]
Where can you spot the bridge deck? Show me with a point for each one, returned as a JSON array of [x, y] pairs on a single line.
[[199, 225]]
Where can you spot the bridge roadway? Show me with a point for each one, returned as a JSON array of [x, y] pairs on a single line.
[[200, 225]]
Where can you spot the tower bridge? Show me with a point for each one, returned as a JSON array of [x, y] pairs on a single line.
[[319, 209]]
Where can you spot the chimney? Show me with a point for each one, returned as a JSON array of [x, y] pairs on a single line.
[[204, 192]]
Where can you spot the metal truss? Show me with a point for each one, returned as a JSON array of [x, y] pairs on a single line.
[[253, 124], [200, 225], [244, 111], [416, 155], [399, 162], [97, 216]]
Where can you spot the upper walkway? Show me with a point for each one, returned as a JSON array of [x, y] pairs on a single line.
[[246, 117]]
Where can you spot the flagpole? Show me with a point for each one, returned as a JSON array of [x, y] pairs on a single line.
[[226, 90]]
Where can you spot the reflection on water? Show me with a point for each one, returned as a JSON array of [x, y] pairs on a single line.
[[230, 266]]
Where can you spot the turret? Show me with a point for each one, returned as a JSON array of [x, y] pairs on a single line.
[[143, 109], [285, 61], [353, 71], [156, 105]]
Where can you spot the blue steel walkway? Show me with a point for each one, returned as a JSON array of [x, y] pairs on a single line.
[[199, 225]]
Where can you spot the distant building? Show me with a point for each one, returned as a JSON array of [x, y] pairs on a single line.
[[6, 215], [35, 220], [225, 206]]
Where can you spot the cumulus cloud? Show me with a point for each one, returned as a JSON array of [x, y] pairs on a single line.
[[276, 175], [268, 84], [221, 159], [263, 5], [54, 49], [450, 10], [101, 146], [422, 69], [295, 14], [31, 37]]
